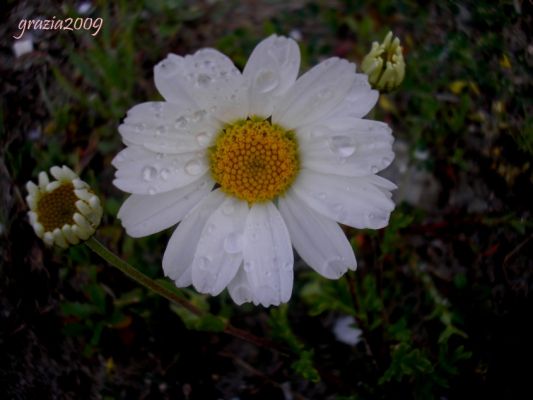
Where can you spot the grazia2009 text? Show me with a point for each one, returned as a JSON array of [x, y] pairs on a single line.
[[54, 24]]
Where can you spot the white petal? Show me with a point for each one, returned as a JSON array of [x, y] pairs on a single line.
[[144, 215], [144, 172], [271, 70], [268, 256], [168, 128], [353, 201], [359, 100], [239, 288], [348, 146], [318, 240], [315, 94], [219, 251], [208, 78], [181, 247]]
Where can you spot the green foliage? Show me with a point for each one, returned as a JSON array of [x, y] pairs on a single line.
[[281, 330]]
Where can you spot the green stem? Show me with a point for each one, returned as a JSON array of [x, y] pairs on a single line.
[[158, 288], [138, 276]]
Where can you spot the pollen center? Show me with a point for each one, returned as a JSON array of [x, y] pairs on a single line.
[[254, 160], [56, 208]]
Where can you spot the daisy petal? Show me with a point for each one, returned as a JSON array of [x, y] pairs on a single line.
[[354, 201], [142, 171], [207, 78], [268, 257], [271, 70], [167, 128], [315, 94], [144, 215], [349, 147], [179, 254], [239, 288], [319, 240], [359, 100], [219, 251]]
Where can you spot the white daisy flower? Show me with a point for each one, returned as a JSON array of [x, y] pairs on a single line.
[[286, 157], [64, 211]]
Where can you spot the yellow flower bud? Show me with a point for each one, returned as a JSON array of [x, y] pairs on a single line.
[[384, 64]]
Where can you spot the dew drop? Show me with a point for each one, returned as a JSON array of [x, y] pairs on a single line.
[[342, 146], [149, 173], [198, 116], [374, 169], [160, 130], [202, 138], [152, 190], [248, 265], [181, 122], [228, 209], [210, 228], [334, 267], [193, 167], [204, 262], [203, 80], [266, 81], [325, 94], [233, 243], [164, 173]]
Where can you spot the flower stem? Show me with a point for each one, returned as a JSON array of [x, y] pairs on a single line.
[[161, 290], [138, 276]]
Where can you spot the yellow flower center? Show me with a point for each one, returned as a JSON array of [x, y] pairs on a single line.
[[56, 208], [254, 160]]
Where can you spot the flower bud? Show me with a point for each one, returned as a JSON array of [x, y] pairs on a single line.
[[384, 64], [63, 211]]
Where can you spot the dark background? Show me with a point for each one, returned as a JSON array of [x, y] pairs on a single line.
[[442, 295]]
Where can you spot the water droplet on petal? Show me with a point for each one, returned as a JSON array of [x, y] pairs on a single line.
[[160, 130], [266, 81], [233, 243], [342, 146], [202, 138], [181, 122], [248, 265], [198, 116], [203, 80], [228, 208], [193, 167], [386, 161], [335, 267], [210, 228], [204, 262], [149, 173], [152, 190], [164, 173]]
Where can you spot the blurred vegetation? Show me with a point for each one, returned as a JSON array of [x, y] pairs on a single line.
[[442, 295]]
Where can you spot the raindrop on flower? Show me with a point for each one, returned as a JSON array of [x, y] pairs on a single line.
[[228, 209], [149, 173], [233, 243], [204, 262], [193, 167], [266, 81], [164, 173], [203, 80], [181, 122], [152, 190], [248, 265], [202, 138], [342, 146]]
